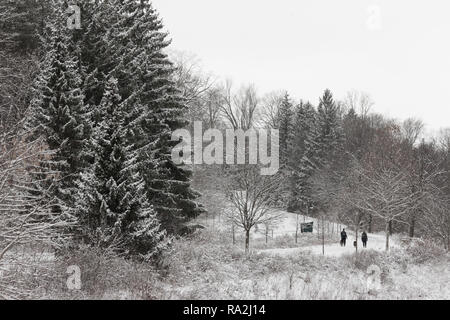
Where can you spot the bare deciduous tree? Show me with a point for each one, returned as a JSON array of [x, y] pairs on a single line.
[[212, 103], [189, 76], [16, 77], [325, 189], [203, 97], [437, 219], [411, 130], [270, 109], [26, 216], [383, 193], [240, 109], [361, 102], [252, 196]]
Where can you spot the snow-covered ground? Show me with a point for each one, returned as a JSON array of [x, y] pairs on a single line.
[[283, 226], [286, 226]]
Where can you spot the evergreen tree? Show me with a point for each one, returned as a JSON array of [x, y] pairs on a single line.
[[324, 149], [112, 207], [136, 42], [285, 121], [304, 129], [122, 39], [304, 154], [329, 138], [96, 48], [58, 111]]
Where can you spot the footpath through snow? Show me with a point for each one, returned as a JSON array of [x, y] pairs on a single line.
[[287, 225], [376, 242]]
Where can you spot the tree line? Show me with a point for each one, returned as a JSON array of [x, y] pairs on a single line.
[[339, 159]]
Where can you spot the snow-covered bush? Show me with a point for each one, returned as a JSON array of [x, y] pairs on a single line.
[[364, 259], [203, 255], [424, 250], [104, 275], [26, 272]]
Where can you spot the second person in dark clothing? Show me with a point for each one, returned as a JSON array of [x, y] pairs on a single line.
[[364, 239], [343, 238]]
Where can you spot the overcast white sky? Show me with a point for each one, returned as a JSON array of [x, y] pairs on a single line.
[[401, 56]]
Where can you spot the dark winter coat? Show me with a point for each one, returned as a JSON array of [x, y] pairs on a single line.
[[343, 235], [364, 237]]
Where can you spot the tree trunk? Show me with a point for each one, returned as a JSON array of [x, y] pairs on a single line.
[[356, 235], [234, 237], [390, 228], [247, 241], [412, 227], [323, 236], [388, 224], [267, 233], [318, 228], [370, 224]]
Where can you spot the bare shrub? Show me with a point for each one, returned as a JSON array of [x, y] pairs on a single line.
[[26, 215], [25, 273], [104, 274], [424, 250]]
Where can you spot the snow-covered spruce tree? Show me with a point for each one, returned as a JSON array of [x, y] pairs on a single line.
[[135, 46], [304, 126], [285, 120], [111, 206], [326, 150], [303, 155], [58, 111], [329, 138], [96, 47]]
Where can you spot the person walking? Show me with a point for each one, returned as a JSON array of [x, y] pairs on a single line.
[[364, 239], [343, 238]]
